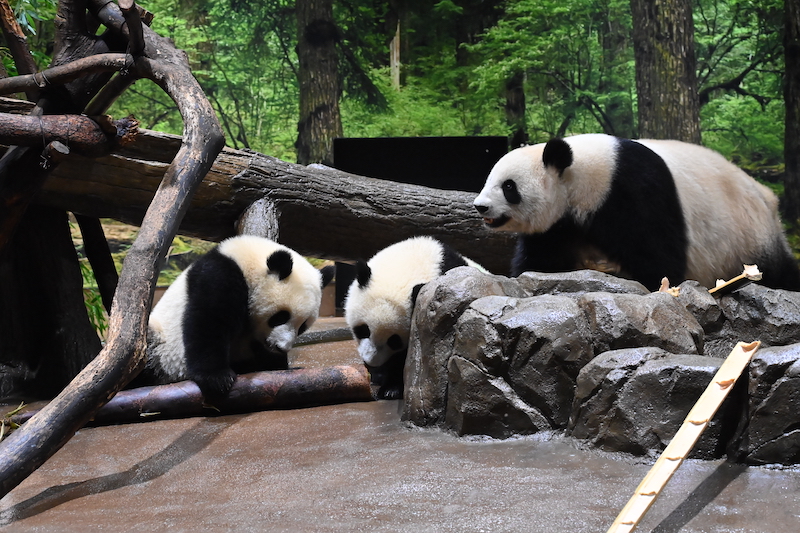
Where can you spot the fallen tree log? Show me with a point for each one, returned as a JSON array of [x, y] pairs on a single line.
[[278, 389], [318, 211]]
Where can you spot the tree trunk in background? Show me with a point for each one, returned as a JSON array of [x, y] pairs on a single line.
[[666, 78], [791, 97], [515, 110], [619, 108], [46, 336], [320, 121]]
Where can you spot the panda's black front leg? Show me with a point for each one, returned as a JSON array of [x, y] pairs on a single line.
[[388, 377], [215, 315]]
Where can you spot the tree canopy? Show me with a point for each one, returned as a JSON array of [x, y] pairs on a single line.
[[574, 59]]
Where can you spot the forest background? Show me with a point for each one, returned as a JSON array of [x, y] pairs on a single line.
[[465, 64]]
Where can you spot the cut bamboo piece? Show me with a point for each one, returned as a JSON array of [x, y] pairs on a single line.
[[748, 275], [685, 439]]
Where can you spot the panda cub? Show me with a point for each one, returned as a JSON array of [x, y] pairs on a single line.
[[238, 308], [380, 302], [656, 208]]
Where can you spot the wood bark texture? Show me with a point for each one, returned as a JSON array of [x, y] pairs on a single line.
[[666, 79], [318, 76], [278, 389], [791, 97], [28, 447], [318, 211]]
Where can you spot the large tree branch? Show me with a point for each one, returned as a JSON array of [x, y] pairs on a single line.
[[18, 45], [318, 211], [80, 133], [27, 448]]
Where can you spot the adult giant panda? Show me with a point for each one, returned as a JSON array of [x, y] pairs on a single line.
[[238, 308], [381, 299], [656, 208]]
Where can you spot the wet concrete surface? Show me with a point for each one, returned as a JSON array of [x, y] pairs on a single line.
[[356, 467]]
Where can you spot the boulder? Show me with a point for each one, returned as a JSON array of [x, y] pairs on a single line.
[[755, 312], [604, 360], [770, 427], [634, 400], [519, 353]]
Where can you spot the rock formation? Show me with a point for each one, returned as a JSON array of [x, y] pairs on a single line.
[[603, 360]]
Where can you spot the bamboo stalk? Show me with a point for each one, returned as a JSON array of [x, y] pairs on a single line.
[[748, 275], [678, 449]]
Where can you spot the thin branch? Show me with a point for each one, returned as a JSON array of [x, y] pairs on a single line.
[[124, 353], [64, 74], [78, 132], [18, 46]]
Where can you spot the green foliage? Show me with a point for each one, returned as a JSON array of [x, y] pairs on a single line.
[[743, 130], [30, 13], [92, 299], [575, 57]]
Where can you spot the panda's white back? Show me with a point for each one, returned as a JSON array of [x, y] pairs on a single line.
[[726, 211], [165, 335]]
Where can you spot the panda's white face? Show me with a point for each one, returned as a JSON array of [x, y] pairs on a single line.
[[379, 303], [384, 333], [520, 194], [284, 297], [524, 195]]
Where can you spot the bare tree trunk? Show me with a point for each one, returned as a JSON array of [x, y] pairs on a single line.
[[791, 98], [28, 447], [515, 110], [319, 212], [320, 120], [666, 77], [619, 109], [47, 338]]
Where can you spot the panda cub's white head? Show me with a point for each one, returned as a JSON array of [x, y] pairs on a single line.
[[531, 188], [380, 300], [285, 290]]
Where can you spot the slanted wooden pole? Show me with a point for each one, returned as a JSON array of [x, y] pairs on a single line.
[[678, 449]]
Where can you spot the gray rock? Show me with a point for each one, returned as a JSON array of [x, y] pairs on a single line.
[[755, 312], [439, 305], [576, 282], [482, 404], [703, 306], [629, 321], [634, 401], [771, 426], [498, 356], [535, 345]]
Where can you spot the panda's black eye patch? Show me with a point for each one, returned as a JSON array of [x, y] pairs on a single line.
[[395, 342], [361, 331], [303, 328], [278, 319], [510, 192]]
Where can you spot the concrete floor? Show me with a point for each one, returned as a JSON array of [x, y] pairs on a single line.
[[356, 467]]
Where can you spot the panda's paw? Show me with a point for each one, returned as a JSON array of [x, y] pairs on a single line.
[[215, 386], [390, 393]]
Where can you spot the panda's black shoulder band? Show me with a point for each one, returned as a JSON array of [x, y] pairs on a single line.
[[557, 154]]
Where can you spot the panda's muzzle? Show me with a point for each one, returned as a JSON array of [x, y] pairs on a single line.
[[492, 222]]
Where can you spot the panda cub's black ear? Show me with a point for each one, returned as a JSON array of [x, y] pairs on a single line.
[[363, 274], [557, 154], [280, 263], [327, 274]]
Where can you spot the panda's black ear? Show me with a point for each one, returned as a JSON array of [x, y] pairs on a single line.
[[327, 274], [415, 293], [557, 154], [363, 274], [280, 263]]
